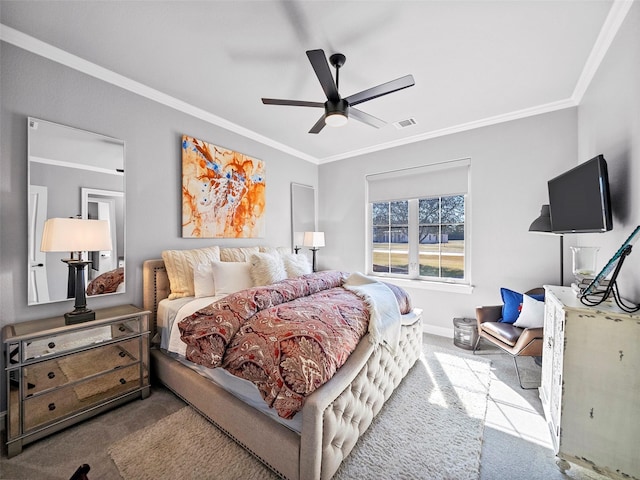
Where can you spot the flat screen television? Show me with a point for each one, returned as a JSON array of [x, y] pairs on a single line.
[[579, 199]]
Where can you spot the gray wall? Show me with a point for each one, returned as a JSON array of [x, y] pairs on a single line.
[[609, 123], [510, 166], [33, 86]]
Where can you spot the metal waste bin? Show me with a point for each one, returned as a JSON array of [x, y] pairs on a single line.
[[465, 333]]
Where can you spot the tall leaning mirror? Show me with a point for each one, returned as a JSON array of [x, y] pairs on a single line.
[[303, 213], [73, 173]]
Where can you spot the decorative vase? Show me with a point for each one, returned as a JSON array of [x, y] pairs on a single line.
[[584, 261]]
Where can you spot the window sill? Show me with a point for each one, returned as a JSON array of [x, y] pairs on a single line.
[[426, 285]]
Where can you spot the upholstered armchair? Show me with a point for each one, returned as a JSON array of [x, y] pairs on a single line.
[[516, 341]]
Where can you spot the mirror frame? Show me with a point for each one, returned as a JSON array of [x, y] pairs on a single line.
[[75, 149], [303, 213]]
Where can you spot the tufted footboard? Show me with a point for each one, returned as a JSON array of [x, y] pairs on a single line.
[[339, 412]]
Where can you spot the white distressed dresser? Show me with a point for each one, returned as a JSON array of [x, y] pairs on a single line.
[[590, 387]]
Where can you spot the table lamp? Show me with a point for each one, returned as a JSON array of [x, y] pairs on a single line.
[[76, 235], [313, 240]]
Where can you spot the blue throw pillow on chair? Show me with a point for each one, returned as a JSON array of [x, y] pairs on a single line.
[[512, 304]]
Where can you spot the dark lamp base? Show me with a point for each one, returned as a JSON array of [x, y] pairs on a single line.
[[74, 317]]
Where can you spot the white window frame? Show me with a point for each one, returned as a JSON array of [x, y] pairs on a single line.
[[413, 279]]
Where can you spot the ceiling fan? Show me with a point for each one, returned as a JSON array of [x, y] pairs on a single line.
[[337, 110]]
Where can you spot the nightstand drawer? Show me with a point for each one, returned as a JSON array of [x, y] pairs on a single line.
[[40, 410], [65, 342], [57, 372], [130, 326]]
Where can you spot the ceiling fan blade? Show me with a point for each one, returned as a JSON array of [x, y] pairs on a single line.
[[320, 65], [366, 118], [293, 103], [318, 126], [380, 90]]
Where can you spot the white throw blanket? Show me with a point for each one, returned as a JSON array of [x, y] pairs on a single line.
[[384, 324]]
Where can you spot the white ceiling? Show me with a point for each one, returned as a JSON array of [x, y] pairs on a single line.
[[474, 62]]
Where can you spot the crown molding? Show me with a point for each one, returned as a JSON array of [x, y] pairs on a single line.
[[609, 30], [485, 122], [43, 49]]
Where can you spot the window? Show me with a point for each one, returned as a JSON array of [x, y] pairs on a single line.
[[390, 223], [420, 229]]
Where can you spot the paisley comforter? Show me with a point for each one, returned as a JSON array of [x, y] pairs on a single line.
[[288, 338]]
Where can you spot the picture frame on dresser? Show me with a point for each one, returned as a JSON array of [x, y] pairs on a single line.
[[58, 374]]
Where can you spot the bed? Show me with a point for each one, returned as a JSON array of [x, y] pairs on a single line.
[[313, 443]]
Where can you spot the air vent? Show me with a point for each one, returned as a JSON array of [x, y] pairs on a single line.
[[405, 123]]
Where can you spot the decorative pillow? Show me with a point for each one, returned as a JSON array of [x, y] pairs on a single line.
[[296, 265], [276, 250], [203, 284], [532, 314], [512, 304], [267, 269], [179, 265], [231, 277], [237, 254]]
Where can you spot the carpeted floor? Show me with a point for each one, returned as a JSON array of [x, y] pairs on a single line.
[[515, 444], [430, 428]]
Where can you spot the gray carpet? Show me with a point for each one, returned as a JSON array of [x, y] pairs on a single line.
[[430, 428]]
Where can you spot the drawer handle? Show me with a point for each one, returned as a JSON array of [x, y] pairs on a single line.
[[123, 381], [122, 354], [51, 345], [121, 328], [51, 375], [52, 407]]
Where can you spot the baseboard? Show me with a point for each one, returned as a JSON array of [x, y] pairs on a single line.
[[441, 331]]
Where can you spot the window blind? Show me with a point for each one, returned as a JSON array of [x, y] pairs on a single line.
[[438, 179]]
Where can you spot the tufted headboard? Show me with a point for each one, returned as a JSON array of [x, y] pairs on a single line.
[[155, 287]]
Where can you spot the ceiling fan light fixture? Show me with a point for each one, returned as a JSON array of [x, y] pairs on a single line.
[[336, 120], [336, 113]]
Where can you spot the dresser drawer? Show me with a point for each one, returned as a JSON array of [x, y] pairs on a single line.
[[64, 342], [40, 410], [57, 372]]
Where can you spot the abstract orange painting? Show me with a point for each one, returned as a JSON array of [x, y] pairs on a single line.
[[223, 192]]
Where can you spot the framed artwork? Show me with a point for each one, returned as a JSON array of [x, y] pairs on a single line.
[[223, 192]]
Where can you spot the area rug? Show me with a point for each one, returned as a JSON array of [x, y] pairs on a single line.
[[430, 428]]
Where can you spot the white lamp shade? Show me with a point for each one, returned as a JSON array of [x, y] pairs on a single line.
[[75, 235], [313, 239]]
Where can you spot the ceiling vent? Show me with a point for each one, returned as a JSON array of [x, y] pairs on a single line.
[[405, 123]]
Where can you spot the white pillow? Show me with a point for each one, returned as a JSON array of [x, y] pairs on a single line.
[[231, 277], [203, 284], [267, 269], [532, 314], [296, 264]]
